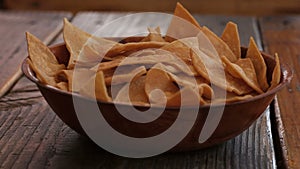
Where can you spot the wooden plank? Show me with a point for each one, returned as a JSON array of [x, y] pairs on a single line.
[[281, 35], [253, 7], [44, 25], [45, 142]]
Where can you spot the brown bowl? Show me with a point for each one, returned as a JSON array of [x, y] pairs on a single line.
[[237, 116]]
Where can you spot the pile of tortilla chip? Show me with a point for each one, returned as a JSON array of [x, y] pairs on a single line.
[[157, 69]]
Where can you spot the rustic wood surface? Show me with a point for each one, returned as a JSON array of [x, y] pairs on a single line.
[[281, 35], [253, 7], [32, 136], [44, 25]]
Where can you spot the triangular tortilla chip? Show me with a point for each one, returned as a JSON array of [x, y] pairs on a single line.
[[161, 57], [259, 64], [222, 96], [244, 69], [75, 80], [133, 47], [137, 92], [182, 51], [205, 45], [221, 47], [62, 86], [158, 79], [219, 76], [276, 75], [179, 98], [182, 12], [77, 41], [154, 35], [208, 66], [42, 60], [133, 92], [193, 82], [125, 76], [95, 88], [231, 37], [181, 17]]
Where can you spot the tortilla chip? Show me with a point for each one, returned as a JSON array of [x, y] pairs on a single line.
[[182, 51], [162, 57], [231, 37], [193, 82], [137, 92], [177, 99], [95, 88], [154, 35], [276, 75], [182, 17], [125, 77], [42, 60], [143, 52], [221, 47], [133, 46], [62, 86], [205, 45], [222, 96], [181, 12], [230, 99], [243, 69], [76, 41], [259, 64], [207, 66], [75, 80], [158, 79], [133, 92]]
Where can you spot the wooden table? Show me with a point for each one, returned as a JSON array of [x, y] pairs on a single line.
[[32, 136]]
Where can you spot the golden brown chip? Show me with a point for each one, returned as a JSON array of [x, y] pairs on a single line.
[[158, 79], [181, 12], [95, 88], [222, 96], [181, 17], [137, 92], [154, 35], [181, 51], [243, 69], [125, 75], [77, 41], [221, 47], [42, 60], [276, 75], [133, 46], [65, 76], [230, 99], [62, 86], [122, 96], [75, 80], [207, 67], [206, 46], [259, 64], [231, 37], [179, 98], [133, 92], [193, 82], [162, 57]]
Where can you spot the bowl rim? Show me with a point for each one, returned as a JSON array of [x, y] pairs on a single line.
[[286, 77]]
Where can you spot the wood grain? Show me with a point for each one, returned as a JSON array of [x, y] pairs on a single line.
[[32, 136], [44, 25], [253, 7], [281, 35]]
